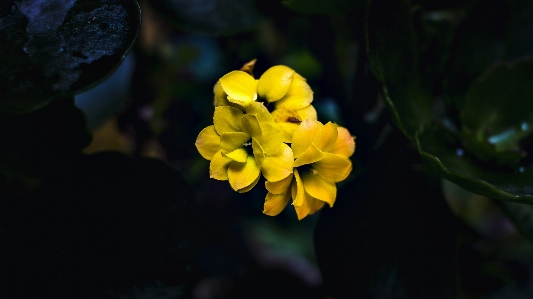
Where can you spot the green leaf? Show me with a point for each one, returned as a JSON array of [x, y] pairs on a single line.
[[498, 112], [327, 7], [442, 152], [392, 56]]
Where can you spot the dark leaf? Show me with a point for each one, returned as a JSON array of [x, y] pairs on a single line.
[[521, 215], [443, 154], [57, 48], [101, 225], [36, 143], [478, 43], [498, 111], [388, 232], [213, 17], [520, 32], [392, 56], [327, 7]]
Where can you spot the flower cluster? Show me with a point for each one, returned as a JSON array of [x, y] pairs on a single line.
[[269, 127]]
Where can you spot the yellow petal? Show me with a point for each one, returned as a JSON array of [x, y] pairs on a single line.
[[227, 119], [345, 143], [260, 112], [285, 115], [298, 96], [239, 155], [270, 139], [246, 189], [279, 166], [259, 124], [259, 153], [231, 141], [333, 167], [297, 190], [326, 138], [221, 98], [319, 188], [250, 125], [308, 112], [218, 169], [242, 175], [310, 206], [275, 82], [240, 87], [288, 130], [304, 136], [208, 142], [288, 121], [279, 186], [275, 203], [311, 155]]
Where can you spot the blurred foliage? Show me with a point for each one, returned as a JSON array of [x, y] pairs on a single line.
[[87, 212], [490, 98]]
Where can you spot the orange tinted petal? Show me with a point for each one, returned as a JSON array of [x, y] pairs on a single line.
[[319, 188], [297, 189], [333, 167], [275, 203], [311, 155], [310, 206], [279, 186], [326, 138], [304, 136], [345, 143]]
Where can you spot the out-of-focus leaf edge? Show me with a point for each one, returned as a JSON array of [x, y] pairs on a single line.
[[111, 71], [519, 217], [394, 113], [472, 184], [378, 73]]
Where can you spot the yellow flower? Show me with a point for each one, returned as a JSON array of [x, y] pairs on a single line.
[[287, 93], [321, 155], [228, 145]]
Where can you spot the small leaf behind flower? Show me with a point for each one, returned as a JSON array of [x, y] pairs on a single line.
[[498, 111]]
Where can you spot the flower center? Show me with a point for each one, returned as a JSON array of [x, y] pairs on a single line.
[[248, 147], [268, 105], [307, 168]]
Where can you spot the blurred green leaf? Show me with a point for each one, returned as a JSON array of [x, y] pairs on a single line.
[[519, 42], [213, 17], [498, 111], [327, 7], [392, 56], [53, 49], [521, 215], [443, 154]]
